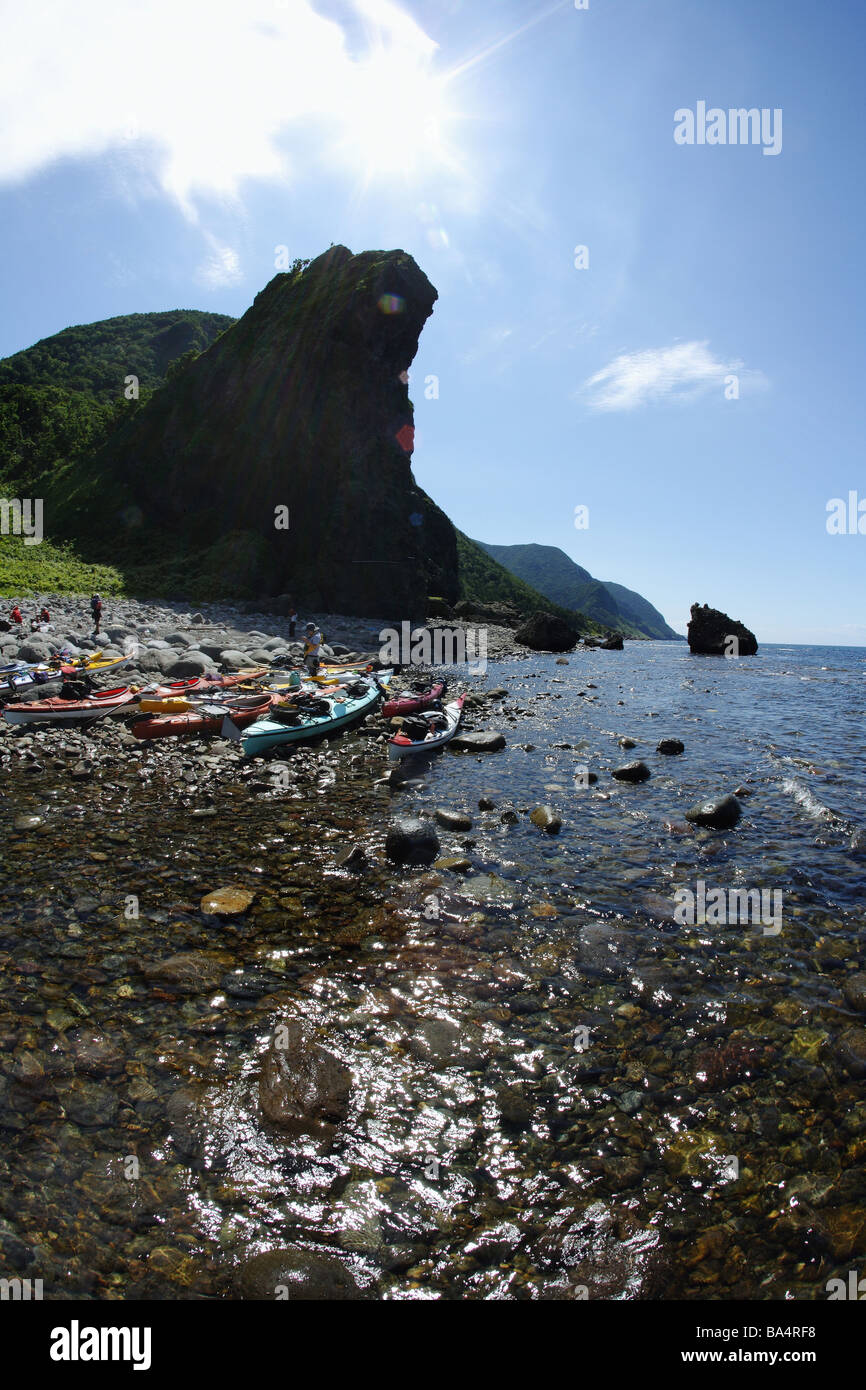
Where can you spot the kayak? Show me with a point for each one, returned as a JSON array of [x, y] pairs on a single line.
[[443, 725], [57, 711], [207, 717], [407, 703], [20, 675], [328, 714]]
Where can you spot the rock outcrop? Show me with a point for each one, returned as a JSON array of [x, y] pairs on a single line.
[[283, 452], [710, 633], [544, 632]]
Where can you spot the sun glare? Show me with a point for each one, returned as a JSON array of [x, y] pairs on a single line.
[[396, 117]]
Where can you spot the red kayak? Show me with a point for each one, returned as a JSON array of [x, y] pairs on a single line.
[[165, 690], [244, 710], [412, 704], [58, 711]]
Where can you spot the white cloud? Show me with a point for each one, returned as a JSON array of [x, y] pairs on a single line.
[[681, 372], [221, 268], [204, 94]]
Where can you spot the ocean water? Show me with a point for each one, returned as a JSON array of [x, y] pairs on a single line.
[[788, 725]]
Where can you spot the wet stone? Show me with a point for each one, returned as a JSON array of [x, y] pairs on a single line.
[[227, 902], [293, 1273], [88, 1103], [452, 820], [632, 772], [352, 858], [412, 842], [721, 813], [303, 1088], [189, 972], [545, 818], [854, 991]]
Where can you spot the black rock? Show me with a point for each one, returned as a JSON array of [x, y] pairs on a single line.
[[720, 814], [670, 746], [544, 632], [710, 630], [632, 772], [412, 842]]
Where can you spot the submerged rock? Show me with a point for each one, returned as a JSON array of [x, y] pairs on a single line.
[[851, 1049], [189, 972], [294, 1273], [854, 991], [226, 902], [719, 814], [303, 1088], [670, 747]]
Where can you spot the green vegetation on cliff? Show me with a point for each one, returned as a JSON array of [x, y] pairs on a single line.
[[553, 573], [484, 580], [96, 358]]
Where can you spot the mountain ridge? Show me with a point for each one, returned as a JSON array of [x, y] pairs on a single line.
[[555, 574]]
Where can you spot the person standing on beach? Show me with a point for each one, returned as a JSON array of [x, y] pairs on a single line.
[[17, 617], [293, 618], [96, 610], [312, 643]]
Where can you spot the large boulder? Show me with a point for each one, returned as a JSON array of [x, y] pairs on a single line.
[[545, 632], [234, 660], [35, 649], [412, 841], [191, 664], [710, 632]]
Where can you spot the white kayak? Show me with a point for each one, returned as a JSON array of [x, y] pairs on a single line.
[[442, 724]]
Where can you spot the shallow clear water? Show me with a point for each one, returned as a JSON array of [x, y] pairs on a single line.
[[557, 1087]]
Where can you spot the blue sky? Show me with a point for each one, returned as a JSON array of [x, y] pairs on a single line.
[[155, 154]]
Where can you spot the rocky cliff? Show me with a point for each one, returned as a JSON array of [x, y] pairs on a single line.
[[288, 443]]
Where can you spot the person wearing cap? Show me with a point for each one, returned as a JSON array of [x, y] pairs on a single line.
[[312, 645]]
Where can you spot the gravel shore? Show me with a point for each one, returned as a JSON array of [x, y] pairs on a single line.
[[174, 640]]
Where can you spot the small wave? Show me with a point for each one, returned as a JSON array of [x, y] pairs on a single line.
[[809, 803]]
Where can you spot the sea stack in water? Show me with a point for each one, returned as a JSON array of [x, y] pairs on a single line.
[[713, 633]]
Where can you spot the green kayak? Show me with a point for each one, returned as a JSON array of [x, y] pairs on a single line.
[[332, 713]]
